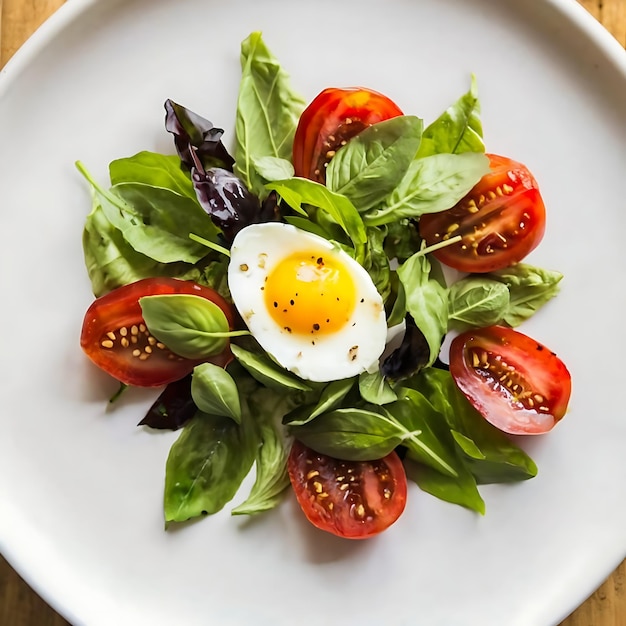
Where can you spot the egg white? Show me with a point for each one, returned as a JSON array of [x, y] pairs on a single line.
[[348, 351]]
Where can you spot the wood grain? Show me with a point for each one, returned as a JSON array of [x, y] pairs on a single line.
[[19, 605]]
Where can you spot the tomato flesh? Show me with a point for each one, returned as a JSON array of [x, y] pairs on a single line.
[[350, 499], [500, 221], [114, 335], [515, 382], [330, 121]]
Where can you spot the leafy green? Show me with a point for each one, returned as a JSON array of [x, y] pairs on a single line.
[[330, 398], [476, 301], [191, 326], [206, 466], [431, 184], [268, 111], [266, 408], [273, 168], [457, 130], [490, 454], [155, 221], [461, 489], [370, 165], [430, 442], [151, 168], [426, 301], [299, 191], [529, 288], [352, 434], [374, 388], [266, 371], [214, 391]]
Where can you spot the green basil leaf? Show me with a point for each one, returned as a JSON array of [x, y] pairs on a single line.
[[433, 445], [206, 466], [266, 371], [426, 301], [268, 111], [432, 184], [188, 325], [376, 262], [214, 391], [529, 288], [476, 302], [330, 398], [491, 455], [351, 434], [272, 168], [457, 130], [266, 408], [299, 191], [157, 222], [153, 220], [461, 490], [372, 164], [112, 262], [375, 389], [156, 170]]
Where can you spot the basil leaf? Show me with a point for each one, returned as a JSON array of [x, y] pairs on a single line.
[[457, 130], [157, 222], [173, 408], [214, 391], [432, 184], [376, 262], [351, 434], [330, 398], [372, 164], [266, 371], [476, 302], [375, 389], [197, 141], [268, 111], [433, 445], [426, 301], [191, 326], [491, 455], [273, 168], [151, 168], [529, 288], [266, 408], [205, 467], [461, 490], [299, 191]]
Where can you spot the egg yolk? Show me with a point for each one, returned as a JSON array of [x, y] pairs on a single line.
[[309, 293]]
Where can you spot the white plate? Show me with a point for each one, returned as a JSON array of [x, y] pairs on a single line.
[[81, 487]]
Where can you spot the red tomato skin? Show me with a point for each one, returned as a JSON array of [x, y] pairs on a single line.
[[502, 220], [526, 400], [334, 115], [120, 309], [373, 500]]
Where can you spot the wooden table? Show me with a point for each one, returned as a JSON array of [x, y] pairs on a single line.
[[19, 605]]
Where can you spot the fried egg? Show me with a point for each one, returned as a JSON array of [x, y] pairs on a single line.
[[308, 303]]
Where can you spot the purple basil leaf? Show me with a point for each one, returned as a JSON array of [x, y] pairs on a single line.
[[193, 133], [228, 201], [411, 356], [173, 408]]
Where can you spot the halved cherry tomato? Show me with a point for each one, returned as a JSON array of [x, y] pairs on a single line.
[[331, 120], [501, 220], [351, 499], [516, 383], [116, 339]]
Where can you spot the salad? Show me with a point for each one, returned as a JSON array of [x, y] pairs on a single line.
[[291, 298]]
